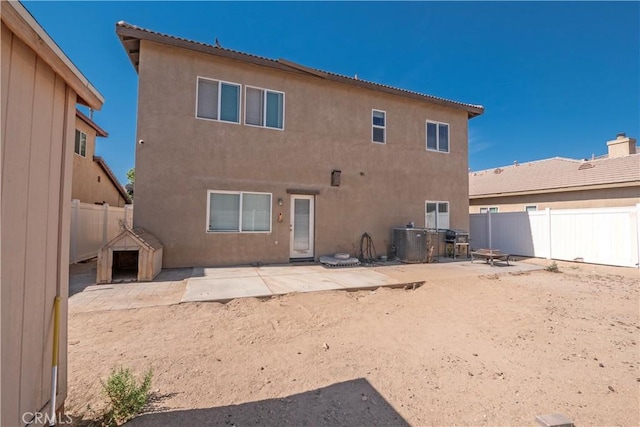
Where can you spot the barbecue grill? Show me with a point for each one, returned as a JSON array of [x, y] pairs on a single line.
[[454, 240], [456, 236]]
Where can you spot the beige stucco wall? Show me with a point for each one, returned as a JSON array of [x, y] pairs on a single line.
[[327, 127], [38, 110], [90, 183], [597, 198]]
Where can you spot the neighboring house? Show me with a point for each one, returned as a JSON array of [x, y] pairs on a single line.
[[558, 183], [93, 181], [39, 92], [244, 159]]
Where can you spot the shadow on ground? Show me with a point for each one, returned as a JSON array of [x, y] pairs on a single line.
[[350, 403], [83, 274]]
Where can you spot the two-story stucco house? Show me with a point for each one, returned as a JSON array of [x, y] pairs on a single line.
[[93, 181], [243, 159]]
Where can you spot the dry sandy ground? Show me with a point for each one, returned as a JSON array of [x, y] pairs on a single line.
[[493, 350]]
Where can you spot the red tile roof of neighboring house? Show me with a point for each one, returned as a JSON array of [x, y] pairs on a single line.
[[87, 120], [130, 36], [556, 174], [100, 161]]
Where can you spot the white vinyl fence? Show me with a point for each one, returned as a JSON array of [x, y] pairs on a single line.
[[92, 226], [608, 236]]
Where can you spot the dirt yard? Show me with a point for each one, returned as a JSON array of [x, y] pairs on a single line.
[[494, 351]]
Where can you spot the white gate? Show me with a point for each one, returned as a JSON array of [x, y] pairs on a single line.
[[601, 236]]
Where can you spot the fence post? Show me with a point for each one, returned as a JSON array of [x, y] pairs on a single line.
[[489, 232], [547, 212], [638, 232], [73, 244], [105, 223], [128, 216]]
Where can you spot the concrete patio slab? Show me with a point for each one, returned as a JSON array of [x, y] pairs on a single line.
[[173, 286], [224, 272], [288, 283], [281, 270], [225, 289], [121, 296]]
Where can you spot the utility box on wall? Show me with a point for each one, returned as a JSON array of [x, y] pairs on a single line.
[[135, 255]]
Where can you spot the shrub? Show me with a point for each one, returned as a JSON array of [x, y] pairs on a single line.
[[126, 396], [553, 267]]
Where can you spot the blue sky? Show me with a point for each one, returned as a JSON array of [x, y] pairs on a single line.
[[556, 79]]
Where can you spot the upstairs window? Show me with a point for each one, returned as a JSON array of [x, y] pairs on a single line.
[[438, 137], [437, 215], [491, 210], [379, 123], [264, 108], [80, 146], [531, 208], [217, 100]]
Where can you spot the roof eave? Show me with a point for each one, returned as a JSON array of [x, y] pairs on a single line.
[[556, 190], [99, 131], [18, 19], [130, 39]]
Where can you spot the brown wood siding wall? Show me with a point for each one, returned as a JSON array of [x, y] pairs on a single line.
[[38, 111]]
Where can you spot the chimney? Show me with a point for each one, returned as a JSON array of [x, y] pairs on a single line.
[[621, 146]]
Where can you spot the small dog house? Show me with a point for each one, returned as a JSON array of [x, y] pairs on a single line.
[[134, 255]]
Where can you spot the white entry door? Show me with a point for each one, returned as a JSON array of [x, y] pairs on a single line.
[[301, 226]]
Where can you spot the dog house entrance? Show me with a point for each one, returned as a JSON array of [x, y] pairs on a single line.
[[125, 266]]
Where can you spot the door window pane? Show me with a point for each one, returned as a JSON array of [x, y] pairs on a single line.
[[301, 229]]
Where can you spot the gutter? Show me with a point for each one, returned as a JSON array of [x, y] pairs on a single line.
[[557, 190]]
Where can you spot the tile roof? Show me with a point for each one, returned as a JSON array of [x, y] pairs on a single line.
[[130, 35], [555, 173]]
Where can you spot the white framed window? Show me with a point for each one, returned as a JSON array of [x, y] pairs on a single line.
[[378, 126], [238, 211], [80, 146], [436, 215], [437, 136], [264, 108], [491, 209], [217, 100], [531, 208]]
